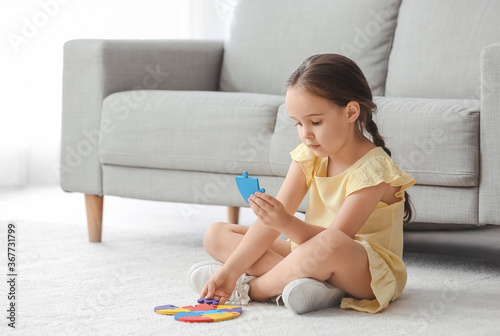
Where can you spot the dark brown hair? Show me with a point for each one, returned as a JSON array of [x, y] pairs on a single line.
[[338, 79]]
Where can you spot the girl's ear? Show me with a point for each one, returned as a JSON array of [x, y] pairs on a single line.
[[353, 111]]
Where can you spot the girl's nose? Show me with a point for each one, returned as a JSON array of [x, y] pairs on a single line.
[[307, 134]]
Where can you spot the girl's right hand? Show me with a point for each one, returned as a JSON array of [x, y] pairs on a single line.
[[220, 286]]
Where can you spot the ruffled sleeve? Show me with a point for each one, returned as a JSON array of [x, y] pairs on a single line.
[[307, 160], [376, 170]]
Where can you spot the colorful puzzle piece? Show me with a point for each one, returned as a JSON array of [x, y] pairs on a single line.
[[237, 309], [211, 302], [215, 315], [248, 185], [201, 307], [170, 310], [202, 312]]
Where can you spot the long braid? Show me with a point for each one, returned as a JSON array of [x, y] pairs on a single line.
[[372, 128], [378, 140]]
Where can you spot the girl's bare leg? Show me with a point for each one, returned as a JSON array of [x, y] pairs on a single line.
[[221, 239], [329, 256]]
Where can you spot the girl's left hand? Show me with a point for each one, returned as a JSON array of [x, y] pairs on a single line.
[[269, 210]]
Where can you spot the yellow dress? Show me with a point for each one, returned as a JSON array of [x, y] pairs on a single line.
[[381, 235]]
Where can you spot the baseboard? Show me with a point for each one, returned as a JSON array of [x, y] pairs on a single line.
[[480, 242]]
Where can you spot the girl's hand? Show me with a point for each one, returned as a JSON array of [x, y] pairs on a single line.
[[220, 286], [269, 210]]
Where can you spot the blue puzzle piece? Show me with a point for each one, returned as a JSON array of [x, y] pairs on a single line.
[[248, 185]]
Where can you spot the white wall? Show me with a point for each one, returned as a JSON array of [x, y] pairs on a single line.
[[33, 34]]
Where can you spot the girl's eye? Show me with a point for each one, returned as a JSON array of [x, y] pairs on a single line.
[[315, 123]]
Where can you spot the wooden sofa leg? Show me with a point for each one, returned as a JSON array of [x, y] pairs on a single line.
[[233, 214], [94, 205]]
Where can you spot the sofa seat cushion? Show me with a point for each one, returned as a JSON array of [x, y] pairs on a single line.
[[269, 39], [189, 130], [435, 140]]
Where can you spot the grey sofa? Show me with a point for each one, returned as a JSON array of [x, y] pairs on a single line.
[[176, 120]]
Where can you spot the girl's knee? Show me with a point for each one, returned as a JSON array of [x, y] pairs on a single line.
[[212, 237], [322, 253], [332, 241]]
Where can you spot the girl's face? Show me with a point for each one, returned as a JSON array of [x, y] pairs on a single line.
[[323, 126]]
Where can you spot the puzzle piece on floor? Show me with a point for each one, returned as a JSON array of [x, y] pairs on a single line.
[[170, 310], [201, 307], [248, 185], [215, 315], [202, 312], [237, 309], [210, 302]]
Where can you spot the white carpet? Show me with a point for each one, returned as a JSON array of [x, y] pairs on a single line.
[[67, 286]]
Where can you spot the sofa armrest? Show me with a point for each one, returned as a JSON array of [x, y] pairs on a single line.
[[489, 197], [94, 69]]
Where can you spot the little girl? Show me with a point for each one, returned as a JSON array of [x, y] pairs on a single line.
[[349, 248]]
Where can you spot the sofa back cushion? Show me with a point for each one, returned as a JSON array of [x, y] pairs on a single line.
[[203, 131], [437, 47], [435, 140], [269, 39]]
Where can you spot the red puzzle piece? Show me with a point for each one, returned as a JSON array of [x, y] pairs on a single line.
[[201, 307], [199, 319]]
